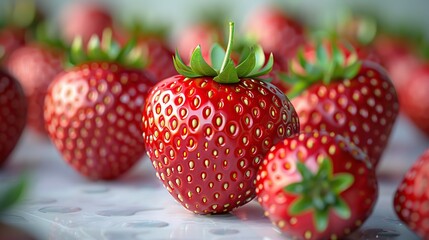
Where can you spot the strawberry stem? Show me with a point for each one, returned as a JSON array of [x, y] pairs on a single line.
[[229, 46]]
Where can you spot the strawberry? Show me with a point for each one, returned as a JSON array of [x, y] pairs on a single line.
[[275, 31], [35, 66], [413, 97], [270, 29], [207, 129], [85, 20], [13, 112], [316, 186], [159, 55], [411, 197], [347, 96], [17, 19], [93, 110]]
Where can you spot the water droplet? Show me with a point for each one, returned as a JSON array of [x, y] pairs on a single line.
[[40, 201], [124, 235], [96, 189], [59, 209], [124, 212], [13, 218], [377, 233], [393, 221], [224, 231], [147, 224]]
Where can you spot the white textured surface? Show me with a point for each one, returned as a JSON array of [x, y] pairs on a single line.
[[63, 205]]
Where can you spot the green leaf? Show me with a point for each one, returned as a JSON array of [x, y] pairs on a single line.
[[94, 49], [295, 188], [341, 182], [247, 65], [321, 220], [228, 75], [217, 54], [352, 70], [322, 54], [77, 53], [199, 65], [318, 203], [304, 171], [260, 57], [245, 53], [297, 88], [301, 58], [338, 56], [300, 205], [265, 70], [342, 209], [181, 67], [325, 169], [13, 194]]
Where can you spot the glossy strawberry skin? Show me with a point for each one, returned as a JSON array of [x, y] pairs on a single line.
[[411, 197], [413, 97], [275, 32], [363, 109], [13, 113], [206, 139], [279, 169], [93, 115], [35, 66]]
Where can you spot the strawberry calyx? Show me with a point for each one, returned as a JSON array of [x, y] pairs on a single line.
[[328, 66], [223, 69], [107, 50], [320, 192]]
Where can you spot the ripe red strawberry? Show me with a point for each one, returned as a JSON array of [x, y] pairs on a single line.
[[85, 20], [153, 41], [413, 97], [207, 129], [93, 110], [203, 34], [159, 58], [316, 186], [13, 112], [275, 31], [412, 197], [35, 66], [347, 96]]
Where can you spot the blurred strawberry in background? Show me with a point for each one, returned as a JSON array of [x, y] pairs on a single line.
[[152, 39], [276, 32], [16, 22], [204, 34], [35, 65], [84, 19]]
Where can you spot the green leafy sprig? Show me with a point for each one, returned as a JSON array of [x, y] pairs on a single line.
[[12, 194], [326, 68], [223, 69], [107, 50], [320, 192]]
